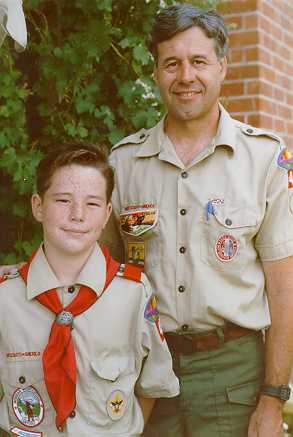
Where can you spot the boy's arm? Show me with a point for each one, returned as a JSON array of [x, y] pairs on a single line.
[[146, 405]]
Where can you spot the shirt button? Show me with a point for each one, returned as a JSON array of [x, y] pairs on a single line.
[[184, 327], [71, 289], [183, 211], [181, 288], [250, 131], [184, 174], [21, 379], [228, 222], [182, 249], [72, 414]]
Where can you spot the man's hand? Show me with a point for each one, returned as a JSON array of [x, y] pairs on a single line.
[[4, 270], [267, 419]]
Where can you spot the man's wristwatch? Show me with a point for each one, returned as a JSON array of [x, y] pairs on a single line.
[[277, 391]]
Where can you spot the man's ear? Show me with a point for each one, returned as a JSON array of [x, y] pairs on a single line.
[[37, 208], [224, 66]]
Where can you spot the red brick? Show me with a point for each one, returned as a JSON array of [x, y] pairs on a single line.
[[234, 21], [236, 55], [243, 72], [284, 112], [250, 21], [279, 125], [233, 89], [243, 105], [237, 6], [279, 95], [267, 106], [245, 38], [251, 54]]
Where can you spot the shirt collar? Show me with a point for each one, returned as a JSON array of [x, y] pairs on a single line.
[[225, 136], [42, 278]]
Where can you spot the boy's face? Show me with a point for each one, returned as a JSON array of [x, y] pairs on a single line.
[[73, 211]]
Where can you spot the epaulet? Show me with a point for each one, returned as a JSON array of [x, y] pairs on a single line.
[[6, 276], [256, 132], [128, 271], [138, 138]]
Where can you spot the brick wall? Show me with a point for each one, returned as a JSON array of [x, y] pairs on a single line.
[[259, 85]]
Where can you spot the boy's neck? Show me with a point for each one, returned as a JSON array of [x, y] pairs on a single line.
[[66, 267]]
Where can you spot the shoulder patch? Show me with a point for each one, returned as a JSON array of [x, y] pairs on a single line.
[[129, 271], [256, 132], [138, 138]]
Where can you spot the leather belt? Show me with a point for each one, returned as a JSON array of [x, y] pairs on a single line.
[[190, 343]]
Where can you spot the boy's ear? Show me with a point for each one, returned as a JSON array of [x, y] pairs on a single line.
[[37, 209], [108, 213]]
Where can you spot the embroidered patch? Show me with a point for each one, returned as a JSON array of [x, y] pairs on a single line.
[[290, 178], [152, 315], [137, 221], [116, 405], [136, 252], [28, 406], [226, 247], [23, 433], [285, 159], [21, 355]]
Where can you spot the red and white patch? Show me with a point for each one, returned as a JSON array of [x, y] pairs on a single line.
[[15, 431], [28, 406], [226, 247], [290, 178]]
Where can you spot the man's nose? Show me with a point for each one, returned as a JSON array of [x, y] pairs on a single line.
[[77, 212], [186, 72]]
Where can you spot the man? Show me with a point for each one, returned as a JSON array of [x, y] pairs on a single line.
[[217, 240], [12, 22]]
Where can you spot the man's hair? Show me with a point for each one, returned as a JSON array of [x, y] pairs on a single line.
[[180, 17], [80, 153]]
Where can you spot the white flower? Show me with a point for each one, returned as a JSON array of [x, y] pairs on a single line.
[[12, 22]]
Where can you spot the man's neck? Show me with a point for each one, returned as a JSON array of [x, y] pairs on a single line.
[[66, 267], [192, 136]]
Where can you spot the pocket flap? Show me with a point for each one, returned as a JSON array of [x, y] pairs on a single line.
[[236, 217], [244, 394], [136, 222], [24, 373], [111, 368]]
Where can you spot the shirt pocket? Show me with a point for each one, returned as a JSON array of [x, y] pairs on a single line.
[[28, 400], [140, 229], [112, 390], [227, 238]]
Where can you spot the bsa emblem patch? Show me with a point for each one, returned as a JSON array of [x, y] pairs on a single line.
[[136, 254], [290, 178], [137, 221], [23, 433], [152, 315], [226, 247], [116, 405], [285, 159], [28, 406]]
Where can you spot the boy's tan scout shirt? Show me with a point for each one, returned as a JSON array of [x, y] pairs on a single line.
[[112, 339], [202, 231]]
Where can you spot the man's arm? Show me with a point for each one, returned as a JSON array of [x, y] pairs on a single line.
[[267, 418], [146, 405]]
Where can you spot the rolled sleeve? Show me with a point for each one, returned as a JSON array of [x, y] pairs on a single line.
[[275, 237], [157, 378]]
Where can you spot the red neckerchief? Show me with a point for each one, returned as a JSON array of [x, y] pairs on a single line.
[[59, 363]]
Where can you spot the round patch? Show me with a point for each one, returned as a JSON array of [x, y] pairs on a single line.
[[28, 406], [226, 247], [116, 405]]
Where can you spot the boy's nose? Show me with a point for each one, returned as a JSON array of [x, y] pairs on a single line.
[[77, 213]]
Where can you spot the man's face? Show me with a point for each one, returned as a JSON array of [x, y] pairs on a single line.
[[73, 211], [189, 74]]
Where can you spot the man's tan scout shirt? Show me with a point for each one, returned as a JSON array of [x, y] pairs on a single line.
[[202, 231], [112, 338]]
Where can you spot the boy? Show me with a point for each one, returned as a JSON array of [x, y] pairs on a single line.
[[81, 350]]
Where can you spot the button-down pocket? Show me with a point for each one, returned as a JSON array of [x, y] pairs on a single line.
[[244, 394], [28, 399], [227, 238], [112, 390]]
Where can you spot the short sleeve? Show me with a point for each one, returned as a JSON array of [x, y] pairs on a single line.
[[157, 378], [275, 237]]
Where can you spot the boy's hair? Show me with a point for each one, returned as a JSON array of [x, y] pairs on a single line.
[[80, 153], [180, 17]]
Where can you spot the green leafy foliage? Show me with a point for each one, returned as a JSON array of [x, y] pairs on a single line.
[[86, 74]]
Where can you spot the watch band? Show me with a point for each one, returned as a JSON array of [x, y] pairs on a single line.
[[280, 391]]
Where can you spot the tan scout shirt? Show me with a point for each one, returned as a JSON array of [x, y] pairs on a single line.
[[202, 231], [112, 338]]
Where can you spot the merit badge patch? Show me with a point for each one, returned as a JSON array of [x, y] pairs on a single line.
[[226, 247], [136, 253], [152, 315], [116, 405], [28, 406], [285, 159], [290, 178], [138, 220], [23, 433]]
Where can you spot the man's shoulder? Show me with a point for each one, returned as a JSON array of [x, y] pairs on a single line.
[[138, 137], [258, 134]]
